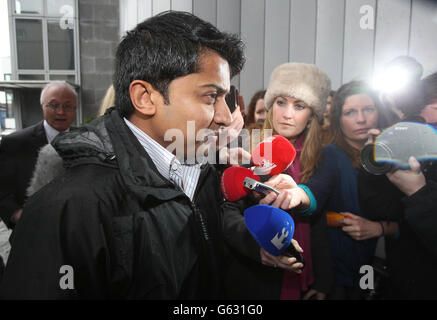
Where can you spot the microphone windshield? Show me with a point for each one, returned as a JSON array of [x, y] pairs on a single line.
[[273, 155], [232, 183], [271, 227]]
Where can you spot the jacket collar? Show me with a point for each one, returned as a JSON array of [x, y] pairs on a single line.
[[136, 167], [39, 134], [108, 141]]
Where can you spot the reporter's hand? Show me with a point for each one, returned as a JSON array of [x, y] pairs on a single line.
[[408, 181], [234, 156], [240, 102], [372, 133], [16, 216], [290, 196], [230, 133], [221, 138], [283, 262], [359, 228], [282, 181], [314, 293]]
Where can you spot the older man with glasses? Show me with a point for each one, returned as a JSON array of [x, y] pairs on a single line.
[[19, 151]]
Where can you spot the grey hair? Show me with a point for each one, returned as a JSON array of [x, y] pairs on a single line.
[[55, 83]]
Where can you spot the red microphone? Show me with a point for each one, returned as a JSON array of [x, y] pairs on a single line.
[[273, 155], [232, 183]]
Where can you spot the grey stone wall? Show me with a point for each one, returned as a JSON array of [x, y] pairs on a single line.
[[99, 36]]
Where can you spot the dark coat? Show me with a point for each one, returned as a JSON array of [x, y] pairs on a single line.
[[412, 254], [335, 187], [18, 154], [245, 276], [126, 231]]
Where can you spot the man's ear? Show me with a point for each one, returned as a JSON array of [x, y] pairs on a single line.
[[143, 97]]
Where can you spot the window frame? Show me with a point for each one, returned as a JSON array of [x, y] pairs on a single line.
[[46, 72]]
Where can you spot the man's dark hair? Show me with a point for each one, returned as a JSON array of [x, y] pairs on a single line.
[[168, 46]]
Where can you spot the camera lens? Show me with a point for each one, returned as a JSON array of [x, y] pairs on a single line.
[[370, 165]]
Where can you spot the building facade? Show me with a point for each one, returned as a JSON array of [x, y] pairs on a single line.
[[75, 40]]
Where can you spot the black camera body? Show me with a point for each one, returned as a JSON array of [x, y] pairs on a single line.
[[396, 144]]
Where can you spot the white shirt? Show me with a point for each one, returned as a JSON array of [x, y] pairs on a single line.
[[51, 132], [185, 176]]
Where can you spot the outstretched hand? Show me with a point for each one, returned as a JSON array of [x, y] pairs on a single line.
[[283, 262], [290, 196], [408, 181]]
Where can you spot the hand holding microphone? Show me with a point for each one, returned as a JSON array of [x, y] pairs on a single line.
[[270, 157], [232, 183], [273, 229], [284, 261], [237, 183], [290, 196]]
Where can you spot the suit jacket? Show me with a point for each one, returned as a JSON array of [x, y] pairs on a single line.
[[18, 155]]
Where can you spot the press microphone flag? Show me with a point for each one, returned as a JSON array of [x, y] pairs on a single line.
[[273, 229], [273, 155]]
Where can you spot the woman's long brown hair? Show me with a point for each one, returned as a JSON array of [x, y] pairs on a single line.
[[336, 133], [312, 147]]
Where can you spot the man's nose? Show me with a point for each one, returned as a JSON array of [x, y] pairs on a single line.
[[222, 114], [60, 110]]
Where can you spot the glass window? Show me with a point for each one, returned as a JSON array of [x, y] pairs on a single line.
[[61, 46], [30, 77], [9, 98], [67, 77], [61, 8], [29, 7], [29, 44]]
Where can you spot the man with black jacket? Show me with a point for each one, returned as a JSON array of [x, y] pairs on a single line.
[[408, 198], [129, 219], [19, 150]]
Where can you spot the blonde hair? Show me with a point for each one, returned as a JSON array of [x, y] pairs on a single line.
[[312, 147], [108, 100]]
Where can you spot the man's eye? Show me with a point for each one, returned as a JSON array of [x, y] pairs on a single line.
[[211, 98]]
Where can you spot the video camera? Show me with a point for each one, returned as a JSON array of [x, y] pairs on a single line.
[[396, 144]]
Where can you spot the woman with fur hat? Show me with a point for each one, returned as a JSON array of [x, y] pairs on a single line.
[[294, 99], [334, 184]]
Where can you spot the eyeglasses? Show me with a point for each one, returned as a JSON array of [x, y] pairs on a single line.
[[56, 106]]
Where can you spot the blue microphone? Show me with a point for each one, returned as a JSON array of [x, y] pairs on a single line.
[[273, 229]]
